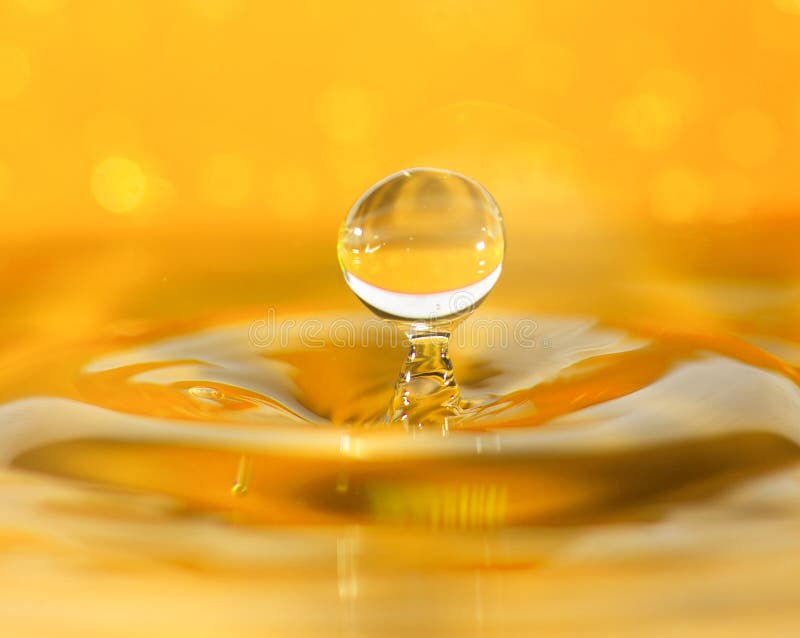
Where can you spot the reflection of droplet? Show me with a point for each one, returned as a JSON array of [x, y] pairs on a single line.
[[14, 71], [118, 184], [680, 195], [347, 114], [228, 180], [749, 137], [347, 565]]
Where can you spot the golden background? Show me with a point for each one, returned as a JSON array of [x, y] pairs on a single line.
[[197, 141], [167, 165], [211, 114]]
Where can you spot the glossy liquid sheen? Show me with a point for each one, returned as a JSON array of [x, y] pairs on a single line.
[[208, 483]]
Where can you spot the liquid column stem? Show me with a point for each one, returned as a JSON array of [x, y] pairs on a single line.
[[243, 474], [426, 393]]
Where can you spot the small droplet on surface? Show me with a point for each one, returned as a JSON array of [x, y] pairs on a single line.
[[206, 394]]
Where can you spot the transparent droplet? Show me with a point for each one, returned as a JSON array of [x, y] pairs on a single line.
[[423, 245], [211, 395]]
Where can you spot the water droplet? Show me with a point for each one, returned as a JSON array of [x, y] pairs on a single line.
[[420, 242], [206, 393], [416, 248]]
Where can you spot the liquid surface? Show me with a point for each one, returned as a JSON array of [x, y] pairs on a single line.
[[215, 474]]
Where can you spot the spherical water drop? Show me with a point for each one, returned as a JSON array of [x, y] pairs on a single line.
[[423, 245]]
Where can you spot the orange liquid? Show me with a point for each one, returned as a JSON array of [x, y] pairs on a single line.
[[654, 448]]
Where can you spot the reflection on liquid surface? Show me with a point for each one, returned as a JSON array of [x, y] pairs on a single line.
[[204, 476]]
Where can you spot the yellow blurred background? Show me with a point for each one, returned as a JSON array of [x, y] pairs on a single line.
[[659, 139], [197, 113], [169, 165]]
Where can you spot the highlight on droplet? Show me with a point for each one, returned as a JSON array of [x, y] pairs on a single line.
[[118, 184]]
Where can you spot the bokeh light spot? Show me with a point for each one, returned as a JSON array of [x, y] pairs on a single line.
[[547, 171], [15, 71], [653, 117], [118, 184], [228, 180], [650, 121], [749, 137], [790, 6], [680, 195]]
